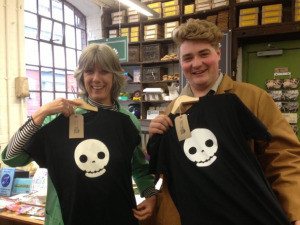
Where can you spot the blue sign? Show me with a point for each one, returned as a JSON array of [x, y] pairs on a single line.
[[6, 178]]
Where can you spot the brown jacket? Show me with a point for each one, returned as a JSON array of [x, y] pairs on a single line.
[[280, 161]]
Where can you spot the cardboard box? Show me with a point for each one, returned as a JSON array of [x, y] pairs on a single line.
[[297, 17], [171, 9], [134, 18], [219, 4], [154, 5], [153, 37], [202, 1], [272, 14], [134, 34], [159, 11], [266, 8], [135, 29], [248, 17], [173, 13], [134, 39], [152, 27], [168, 35], [114, 31], [198, 9], [238, 1], [172, 24], [150, 32], [249, 11], [119, 13], [271, 20], [247, 23], [189, 9], [125, 30], [170, 3]]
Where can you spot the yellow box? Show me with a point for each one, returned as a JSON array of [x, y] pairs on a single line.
[[134, 39], [249, 11], [134, 34], [297, 11], [249, 17], [170, 3], [168, 35], [135, 29], [154, 5], [171, 9], [172, 24], [173, 13], [124, 34], [158, 10], [297, 17], [151, 32], [247, 23], [268, 20], [271, 14], [297, 4], [125, 30], [153, 37], [271, 7], [189, 9]]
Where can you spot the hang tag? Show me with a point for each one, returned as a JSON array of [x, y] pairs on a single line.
[[76, 126], [182, 127]]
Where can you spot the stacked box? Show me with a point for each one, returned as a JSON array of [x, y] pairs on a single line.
[[134, 53], [219, 3], [156, 7], [248, 17], [297, 10], [153, 32], [113, 33], [132, 15], [202, 5], [212, 19], [134, 34], [271, 14], [170, 3], [188, 9], [169, 27], [223, 18], [118, 17], [171, 10], [153, 52], [125, 32]]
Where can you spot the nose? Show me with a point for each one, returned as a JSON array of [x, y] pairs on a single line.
[[197, 62], [96, 76]]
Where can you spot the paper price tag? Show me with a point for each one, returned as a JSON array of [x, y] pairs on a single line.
[[76, 128], [182, 127]]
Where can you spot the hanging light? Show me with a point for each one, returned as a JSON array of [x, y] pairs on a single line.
[[140, 7]]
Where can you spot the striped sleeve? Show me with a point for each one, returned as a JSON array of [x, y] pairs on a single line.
[[19, 139]]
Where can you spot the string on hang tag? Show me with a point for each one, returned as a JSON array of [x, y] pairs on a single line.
[[76, 123], [182, 126]]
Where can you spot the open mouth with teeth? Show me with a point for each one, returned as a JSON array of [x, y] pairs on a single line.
[[207, 162], [199, 72], [98, 173], [98, 87]]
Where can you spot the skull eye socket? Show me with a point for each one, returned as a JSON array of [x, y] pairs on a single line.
[[83, 158], [209, 143], [101, 155], [192, 150]]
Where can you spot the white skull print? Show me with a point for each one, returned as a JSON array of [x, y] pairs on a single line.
[[91, 156], [201, 147]]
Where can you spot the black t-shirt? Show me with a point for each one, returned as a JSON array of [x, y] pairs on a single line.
[[92, 176], [213, 176]]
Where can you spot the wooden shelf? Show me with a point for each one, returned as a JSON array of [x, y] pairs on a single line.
[[159, 82], [130, 64], [161, 62], [168, 40]]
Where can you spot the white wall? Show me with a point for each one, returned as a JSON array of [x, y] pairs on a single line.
[[13, 111]]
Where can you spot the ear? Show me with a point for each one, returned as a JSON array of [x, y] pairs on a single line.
[[218, 51]]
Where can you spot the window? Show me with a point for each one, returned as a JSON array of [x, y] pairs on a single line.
[[55, 34]]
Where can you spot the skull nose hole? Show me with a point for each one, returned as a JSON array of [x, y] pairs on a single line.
[[192, 150], [93, 161]]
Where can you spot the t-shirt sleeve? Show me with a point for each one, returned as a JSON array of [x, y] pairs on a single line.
[[36, 148], [252, 127]]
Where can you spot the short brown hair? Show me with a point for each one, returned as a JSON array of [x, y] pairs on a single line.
[[100, 55], [196, 29]]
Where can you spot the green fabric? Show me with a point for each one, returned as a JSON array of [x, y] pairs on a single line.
[[53, 212]]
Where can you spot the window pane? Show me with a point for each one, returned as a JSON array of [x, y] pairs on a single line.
[[69, 14], [47, 97], [79, 20], [46, 29], [31, 52], [80, 38], [71, 59], [60, 95], [46, 54], [33, 74], [71, 81], [59, 57], [78, 55], [70, 36], [57, 13], [30, 22], [30, 5], [47, 79], [57, 33], [60, 80], [33, 103], [44, 8]]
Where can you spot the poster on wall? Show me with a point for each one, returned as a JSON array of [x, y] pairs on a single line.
[[118, 44]]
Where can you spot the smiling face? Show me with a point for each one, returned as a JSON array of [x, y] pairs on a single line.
[[98, 84], [199, 61]]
